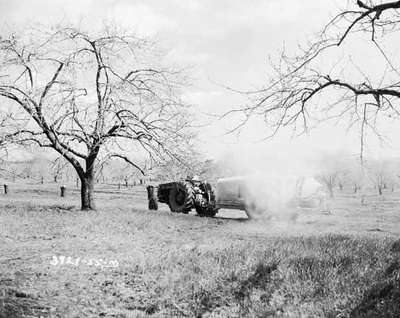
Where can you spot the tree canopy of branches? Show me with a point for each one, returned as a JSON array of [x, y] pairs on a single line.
[[332, 169], [175, 170], [383, 174], [91, 97], [293, 95]]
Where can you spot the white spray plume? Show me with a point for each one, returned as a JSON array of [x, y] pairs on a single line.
[[273, 179]]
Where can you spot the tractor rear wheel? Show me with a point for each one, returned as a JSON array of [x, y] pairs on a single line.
[[181, 197]]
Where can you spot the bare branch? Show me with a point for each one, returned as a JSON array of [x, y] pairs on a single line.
[[91, 96], [300, 92]]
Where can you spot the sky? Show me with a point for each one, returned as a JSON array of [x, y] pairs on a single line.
[[224, 43]]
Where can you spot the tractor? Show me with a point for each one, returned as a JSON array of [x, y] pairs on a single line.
[[192, 193], [239, 193]]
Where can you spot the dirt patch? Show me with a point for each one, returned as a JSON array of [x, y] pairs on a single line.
[[382, 300], [395, 248], [20, 304], [260, 278]]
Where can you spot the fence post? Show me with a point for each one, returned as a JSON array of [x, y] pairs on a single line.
[[5, 188], [62, 191]]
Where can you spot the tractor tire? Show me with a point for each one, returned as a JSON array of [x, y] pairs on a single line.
[[181, 197]]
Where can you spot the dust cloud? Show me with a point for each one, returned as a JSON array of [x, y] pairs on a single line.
[[275, 184]]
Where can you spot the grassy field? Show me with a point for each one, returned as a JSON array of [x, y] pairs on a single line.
[[125, 261]]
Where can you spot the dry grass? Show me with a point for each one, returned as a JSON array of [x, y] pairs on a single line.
[[344, 264]]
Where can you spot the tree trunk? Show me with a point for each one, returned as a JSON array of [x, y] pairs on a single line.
[[87, 192], [380, 190], [87, 181], [330, 188]]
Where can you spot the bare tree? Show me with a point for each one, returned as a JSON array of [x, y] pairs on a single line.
[[379, 175], [379, 180], [41, 167], [294, 95], [58, 167], [356, 176], [382, 174], [192, 165], [91, 97], [120, 172], [329, 180], [332, 171], [343, 177]]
